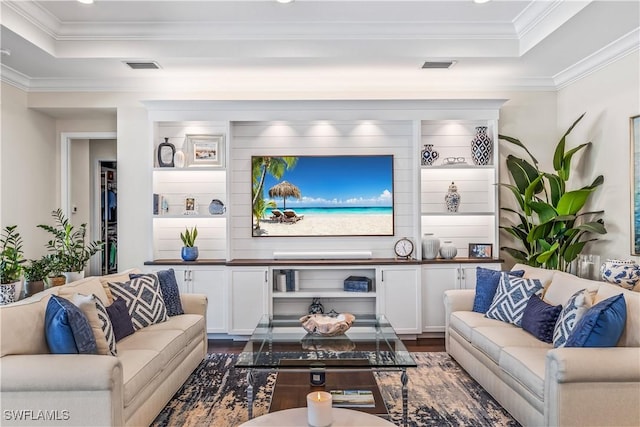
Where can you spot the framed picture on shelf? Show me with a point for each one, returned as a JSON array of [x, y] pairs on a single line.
[[634, 127], [190, 206], [205, 150], [480, 250]]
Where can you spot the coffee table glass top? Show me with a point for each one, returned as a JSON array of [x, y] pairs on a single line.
[[280, 342]]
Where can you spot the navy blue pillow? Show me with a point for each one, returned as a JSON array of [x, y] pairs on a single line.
[[169, 289], [487, 281], [67, 329], [601, 325], [120, 319], [539, 318]]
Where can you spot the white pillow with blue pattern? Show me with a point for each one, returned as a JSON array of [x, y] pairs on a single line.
[[577, 305], [511, 298]]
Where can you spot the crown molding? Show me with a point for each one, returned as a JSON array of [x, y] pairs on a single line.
[[609, 54], [14, 78]]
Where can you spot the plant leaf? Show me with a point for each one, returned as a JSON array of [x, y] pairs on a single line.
[[593, 227], [558, 155], [519, 144], [566, 162], [522, 173], [571, 202], [545, 211], [557, 186], [546, 255]]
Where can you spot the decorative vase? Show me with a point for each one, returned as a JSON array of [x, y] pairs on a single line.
[[166, 151], [316, 307], [429, 155], [72, 276], [57, 280], [452, 198], [448, 251], [32, 288], [178, 159], [430, 246], [189, 253], [481, 147]]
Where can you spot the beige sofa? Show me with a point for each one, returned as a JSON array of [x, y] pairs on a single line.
[[540, 385], [38, 388]]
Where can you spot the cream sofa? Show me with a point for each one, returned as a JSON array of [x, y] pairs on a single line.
[[540, 385], [38, 388]]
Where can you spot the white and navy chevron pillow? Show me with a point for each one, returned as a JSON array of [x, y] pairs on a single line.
[[143, 298], [573, 310], [107, 327], [511, 298]]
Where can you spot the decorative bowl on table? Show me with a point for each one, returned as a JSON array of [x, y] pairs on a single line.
[[327, 326]]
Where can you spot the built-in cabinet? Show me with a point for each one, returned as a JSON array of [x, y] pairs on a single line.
[[409, 292]]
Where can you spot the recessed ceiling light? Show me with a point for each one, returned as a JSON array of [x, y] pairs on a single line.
[[143, 65], [438, 64], [86, 1]]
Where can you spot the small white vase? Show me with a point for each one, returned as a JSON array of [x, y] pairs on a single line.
[[448, 251], [72, 276], [430, 246], [178, 159]]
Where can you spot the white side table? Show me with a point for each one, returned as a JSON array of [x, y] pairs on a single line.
[[298, 417]]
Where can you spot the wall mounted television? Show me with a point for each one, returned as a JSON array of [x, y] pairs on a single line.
[[343, 195]]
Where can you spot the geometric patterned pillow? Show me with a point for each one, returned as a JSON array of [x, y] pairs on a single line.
[[511, 298], [170, 291], [107, 327], [573, 311], [87, 304], [143, 298]]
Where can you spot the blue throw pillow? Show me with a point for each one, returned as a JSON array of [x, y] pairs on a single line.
[[602, 324], [67, 329], [539, 318], [511, 298], [120, 319], [487, 281], [169, 289]]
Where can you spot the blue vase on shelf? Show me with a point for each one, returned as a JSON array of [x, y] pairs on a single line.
[[189, 253], [481, 147], [429, 155]]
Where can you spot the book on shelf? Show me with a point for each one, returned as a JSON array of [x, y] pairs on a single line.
[[352, 398]]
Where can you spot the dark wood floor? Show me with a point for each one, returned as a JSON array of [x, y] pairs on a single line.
[[419, 345]]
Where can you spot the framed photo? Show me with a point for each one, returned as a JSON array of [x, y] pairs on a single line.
[[634, 127], [190, 206], [480, 250], [205, 150]]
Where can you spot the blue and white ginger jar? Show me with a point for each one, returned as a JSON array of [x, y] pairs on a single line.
[[622, 273], [452, 198]]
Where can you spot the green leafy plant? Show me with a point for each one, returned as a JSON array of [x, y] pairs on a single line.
[[11, 255], [189, 237], [551, 228], [37, 270], [69, 244]]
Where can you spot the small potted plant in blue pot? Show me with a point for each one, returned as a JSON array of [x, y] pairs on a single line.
[[189, 250]]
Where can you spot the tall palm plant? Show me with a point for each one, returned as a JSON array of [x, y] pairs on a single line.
[[551, 228]]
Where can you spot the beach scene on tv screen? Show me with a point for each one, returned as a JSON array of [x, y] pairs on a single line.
[[322, 195]]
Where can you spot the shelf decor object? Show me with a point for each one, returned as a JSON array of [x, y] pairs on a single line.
[[205, 150], [429, 155], [166, 152], [190, 206], [481, 147], [216, 207], [448, 251], [430, 246], [179, 159], [316, 307], [480, 250], [452, 198], [327, 326]]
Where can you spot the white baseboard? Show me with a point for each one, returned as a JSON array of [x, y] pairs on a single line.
[[324, 255]]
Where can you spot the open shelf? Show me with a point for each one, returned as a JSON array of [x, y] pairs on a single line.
[[324, 293]]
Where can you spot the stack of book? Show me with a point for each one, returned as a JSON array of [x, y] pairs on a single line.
[[352, 398]]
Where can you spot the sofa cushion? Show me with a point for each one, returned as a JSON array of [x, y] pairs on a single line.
[[191, 324], [601, 325], [168, 343], [573, 311], [67, 329], [120, 319], [511, 298], [170, 291], [22, 327], [464, 322], [139, 367], [544, 276], [491, 340], [487, 281], [143, 298], [86, 286], [631, 333], [564, 285], [526, 366], [539, 318]]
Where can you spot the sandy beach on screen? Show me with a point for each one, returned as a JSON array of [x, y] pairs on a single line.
[[326, 225]]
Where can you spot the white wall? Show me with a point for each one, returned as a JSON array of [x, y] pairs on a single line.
[[28, 166], [609, 97]]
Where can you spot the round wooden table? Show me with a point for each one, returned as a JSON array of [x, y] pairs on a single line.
[[298, 417]]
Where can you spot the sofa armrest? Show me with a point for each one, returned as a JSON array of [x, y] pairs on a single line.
[[83, 389], [194, 303], [592, 386], [458, 300]]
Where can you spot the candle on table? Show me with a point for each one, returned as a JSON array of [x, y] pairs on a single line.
[[319, 409]]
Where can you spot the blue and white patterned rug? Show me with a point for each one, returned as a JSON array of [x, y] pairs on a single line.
[[441, 393]]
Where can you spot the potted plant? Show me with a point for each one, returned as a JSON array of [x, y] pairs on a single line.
[[70, 246], [11, 260], [55, 267], [34, 274], [189, 250]]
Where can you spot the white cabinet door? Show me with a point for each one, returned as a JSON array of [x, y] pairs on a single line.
[[400, 298], [249, 296], [468, 273], [435, 280], [213, 283]]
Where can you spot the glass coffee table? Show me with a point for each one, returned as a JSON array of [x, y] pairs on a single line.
[[280, 344]]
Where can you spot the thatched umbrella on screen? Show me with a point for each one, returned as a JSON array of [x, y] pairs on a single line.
[[284, 189]]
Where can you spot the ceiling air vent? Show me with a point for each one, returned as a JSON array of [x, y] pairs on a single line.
[[438, 64], [143, 65]]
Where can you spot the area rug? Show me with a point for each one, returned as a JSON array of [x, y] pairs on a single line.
[[441, 393]]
